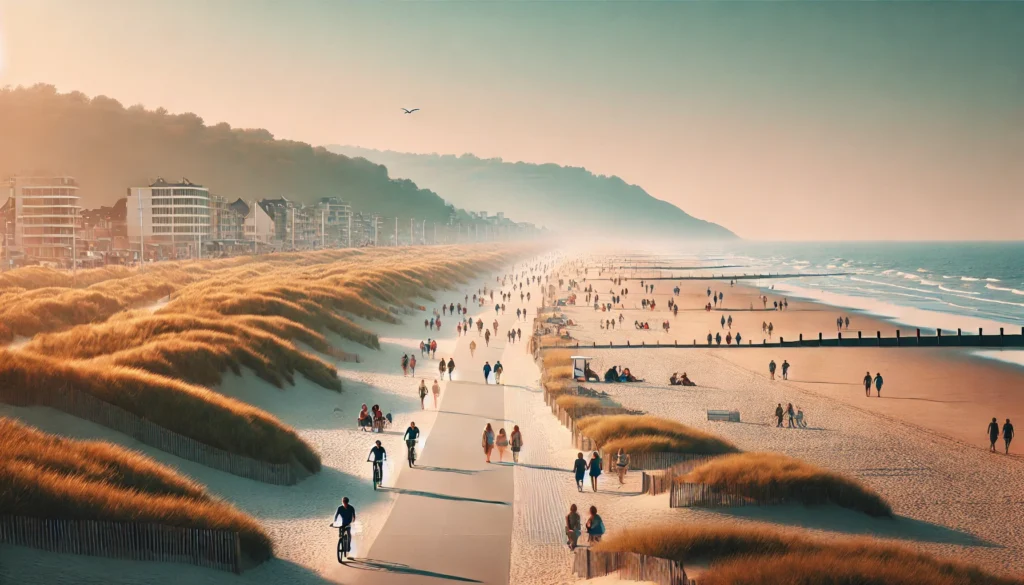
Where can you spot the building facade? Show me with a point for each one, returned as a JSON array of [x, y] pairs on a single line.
[[169, 218], [45, 219]]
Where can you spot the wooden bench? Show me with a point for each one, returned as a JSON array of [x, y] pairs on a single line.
[[724, 415]]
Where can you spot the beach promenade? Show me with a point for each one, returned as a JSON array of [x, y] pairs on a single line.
[[452, 520]]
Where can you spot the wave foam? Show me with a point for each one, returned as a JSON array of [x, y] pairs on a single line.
[[968, 278], [993, 280], [994, 287]]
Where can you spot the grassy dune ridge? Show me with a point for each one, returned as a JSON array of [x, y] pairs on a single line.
[[762, 554], [753, 473], [225, 315], [188, 409], [44, 476], [644, 433]]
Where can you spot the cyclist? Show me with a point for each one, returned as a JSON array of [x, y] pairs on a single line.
[[346, 513], [411, 435], [378, 456]]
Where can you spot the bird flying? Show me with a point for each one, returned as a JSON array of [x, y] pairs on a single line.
[[410, 111]]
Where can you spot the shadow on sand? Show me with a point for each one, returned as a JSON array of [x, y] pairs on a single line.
[[389, 567], [836, 519], [442, 496]]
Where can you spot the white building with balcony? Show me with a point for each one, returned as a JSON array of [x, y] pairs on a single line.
[[173, 216], [46, 218]]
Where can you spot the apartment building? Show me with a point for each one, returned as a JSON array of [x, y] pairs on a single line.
[[171, 220], [45, 219]]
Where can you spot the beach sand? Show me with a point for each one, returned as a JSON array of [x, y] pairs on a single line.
[[950, 496]]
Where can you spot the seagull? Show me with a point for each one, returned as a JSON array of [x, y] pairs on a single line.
[[410, 111]]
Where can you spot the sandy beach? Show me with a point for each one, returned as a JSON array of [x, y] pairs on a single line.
[[921, 446]]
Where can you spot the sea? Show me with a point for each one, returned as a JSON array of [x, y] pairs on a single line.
[[927, 285]]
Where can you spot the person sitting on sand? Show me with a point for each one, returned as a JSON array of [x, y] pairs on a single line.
[[628, 377], [365, 420], [685, 380], [611, 375], [673, 380], [590, 375]]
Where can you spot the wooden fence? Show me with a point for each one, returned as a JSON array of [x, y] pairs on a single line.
[[587, 564], [88, 407], [658, 480], [216, 549]]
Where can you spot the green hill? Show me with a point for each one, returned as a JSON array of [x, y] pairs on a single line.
[[562, 198], [109, 148]]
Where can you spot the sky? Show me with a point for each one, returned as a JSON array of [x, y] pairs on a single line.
[[778, 120]]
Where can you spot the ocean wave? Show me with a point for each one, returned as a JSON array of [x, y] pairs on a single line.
[[890, 271], [1017, 292], [929, 282], [923, 270], [949, 277], [959, 292], [994, 287], [968, 278], [911, 277], [993, 280]]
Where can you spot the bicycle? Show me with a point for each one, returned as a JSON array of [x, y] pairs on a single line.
[[412, 452], [344, 541], [378, 473]]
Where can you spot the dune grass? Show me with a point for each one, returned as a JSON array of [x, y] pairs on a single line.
[[187, 409], [646, 433], [751, 474], [761, 554], [44, 476]]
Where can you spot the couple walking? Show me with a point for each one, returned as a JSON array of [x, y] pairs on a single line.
[[993, 434], [594, 526], [498, 369], [581, 466], [878, 384], [423, 393], [502, 441]]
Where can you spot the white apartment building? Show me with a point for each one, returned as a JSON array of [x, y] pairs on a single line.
[[258, 226], [46, 218], [175, 215]]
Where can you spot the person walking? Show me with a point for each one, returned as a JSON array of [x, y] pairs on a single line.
[[502, 443], [487, 372], [516, 442], [487, 338], [579, 468], [993, 434], [433, 348], [595, 469], [771, 369], [595, 526], [878, 384], [451, 367], [412, 366], [785, 370], [572, 528], [1007, 435], [487, 441], [436, 389], [498, 369], [405, 365], [779, 413], [423, 394], [441, 368], [472, 348], [790, 414], [867, 384], [621, 465]]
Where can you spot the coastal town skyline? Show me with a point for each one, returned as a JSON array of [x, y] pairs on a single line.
[[852, 121]]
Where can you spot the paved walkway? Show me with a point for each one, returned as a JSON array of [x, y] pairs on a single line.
[[453, 518]]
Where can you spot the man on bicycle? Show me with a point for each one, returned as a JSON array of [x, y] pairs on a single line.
[[378, 456], [411, 435], [346, 514]]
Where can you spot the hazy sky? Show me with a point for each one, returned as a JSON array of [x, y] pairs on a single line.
[[785, 120]]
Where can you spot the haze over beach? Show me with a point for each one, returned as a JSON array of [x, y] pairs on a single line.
[[708, 293], [836, 121]]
